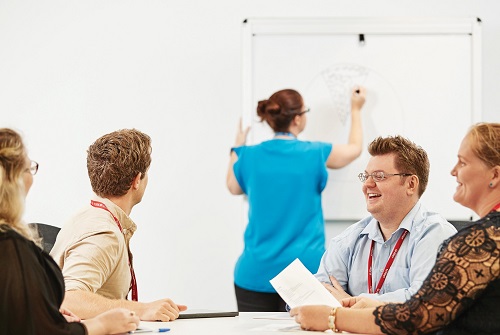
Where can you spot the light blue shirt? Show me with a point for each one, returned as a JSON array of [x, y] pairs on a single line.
[[347, 255]]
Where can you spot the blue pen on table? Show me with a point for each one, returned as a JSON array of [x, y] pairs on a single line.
[[143, 330]]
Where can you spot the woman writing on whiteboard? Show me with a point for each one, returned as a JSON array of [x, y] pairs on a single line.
[[283, 179], [462, 291]]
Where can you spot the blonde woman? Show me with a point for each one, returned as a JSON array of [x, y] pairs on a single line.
[[31, 283]]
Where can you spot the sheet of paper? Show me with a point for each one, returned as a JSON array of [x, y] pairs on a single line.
[[298, 286]]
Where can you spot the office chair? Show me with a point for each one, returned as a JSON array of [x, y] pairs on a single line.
[[48, 234]]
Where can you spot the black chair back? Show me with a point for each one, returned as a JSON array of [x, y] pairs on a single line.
[[48, 234]]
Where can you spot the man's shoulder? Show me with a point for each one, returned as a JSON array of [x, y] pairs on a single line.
[[89, 221], [426, 220]]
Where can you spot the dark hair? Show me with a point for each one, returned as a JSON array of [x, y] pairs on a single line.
[[486, 142], [115, 159], [410, 158], [280, 109]]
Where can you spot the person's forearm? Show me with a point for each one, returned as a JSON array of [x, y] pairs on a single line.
[[232, 159], [231, 182], [87, 305], [94, 327], [357, 320], [400, 295], [356, 131]]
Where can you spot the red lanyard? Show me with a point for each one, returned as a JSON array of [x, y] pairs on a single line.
[[497, 206], [387, 266], [133, 281]]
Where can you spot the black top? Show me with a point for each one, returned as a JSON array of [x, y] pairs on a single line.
[[461, 295], [31, 290]]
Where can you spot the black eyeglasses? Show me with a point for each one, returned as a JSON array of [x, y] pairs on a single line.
[[303, 112], [33, 169], [380, 175]]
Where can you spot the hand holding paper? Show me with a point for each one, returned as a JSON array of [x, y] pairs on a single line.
[[297, 286]]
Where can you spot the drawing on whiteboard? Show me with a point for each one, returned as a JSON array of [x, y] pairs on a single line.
[[327, 92], [339, 79], [328, 96]]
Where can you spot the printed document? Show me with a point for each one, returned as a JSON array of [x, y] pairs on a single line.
[[298, 286]]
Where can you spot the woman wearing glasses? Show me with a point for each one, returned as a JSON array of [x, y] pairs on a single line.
[[283, 179], [31, 283], [461, 293]]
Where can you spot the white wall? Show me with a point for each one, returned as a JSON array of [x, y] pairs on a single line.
[[71, 71]]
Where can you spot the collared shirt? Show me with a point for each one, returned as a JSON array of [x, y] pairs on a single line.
[[346, 258], [92, 252]]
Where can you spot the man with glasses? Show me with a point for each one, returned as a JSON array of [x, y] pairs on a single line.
[[387, 255]]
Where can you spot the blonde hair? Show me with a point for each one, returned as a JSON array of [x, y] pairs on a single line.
[[486, 142], [12, 161]]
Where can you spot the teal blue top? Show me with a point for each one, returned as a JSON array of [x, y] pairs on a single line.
[[283, 180]]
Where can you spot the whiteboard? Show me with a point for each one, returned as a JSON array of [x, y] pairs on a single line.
[[422, 78]]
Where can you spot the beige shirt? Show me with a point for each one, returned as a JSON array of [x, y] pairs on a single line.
[[92, 252]]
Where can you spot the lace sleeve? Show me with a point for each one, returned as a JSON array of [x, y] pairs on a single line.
[[463, 270]]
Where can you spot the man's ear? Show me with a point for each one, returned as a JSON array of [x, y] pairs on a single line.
[[413, 183], [137, 181]]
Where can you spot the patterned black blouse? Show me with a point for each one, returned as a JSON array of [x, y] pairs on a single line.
[[461, 295], [31, 290]]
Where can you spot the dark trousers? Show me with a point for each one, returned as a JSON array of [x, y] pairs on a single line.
[[251, 301]]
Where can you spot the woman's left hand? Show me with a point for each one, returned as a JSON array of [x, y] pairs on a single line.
[[241, 135], [68, 315], [311, 317]]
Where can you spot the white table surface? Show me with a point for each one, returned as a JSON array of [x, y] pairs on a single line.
[[245, 323]]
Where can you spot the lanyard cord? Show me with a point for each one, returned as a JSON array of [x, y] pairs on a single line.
[[133, 281], [387, 266]]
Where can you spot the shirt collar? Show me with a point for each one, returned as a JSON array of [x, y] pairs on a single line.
[[407, 222], [374, 232], [128, 226]]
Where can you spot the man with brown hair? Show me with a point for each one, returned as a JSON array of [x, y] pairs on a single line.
[[92, 248], [387, 255]]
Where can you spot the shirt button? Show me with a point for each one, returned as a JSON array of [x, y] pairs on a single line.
[[381, 270], [386, 246]]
